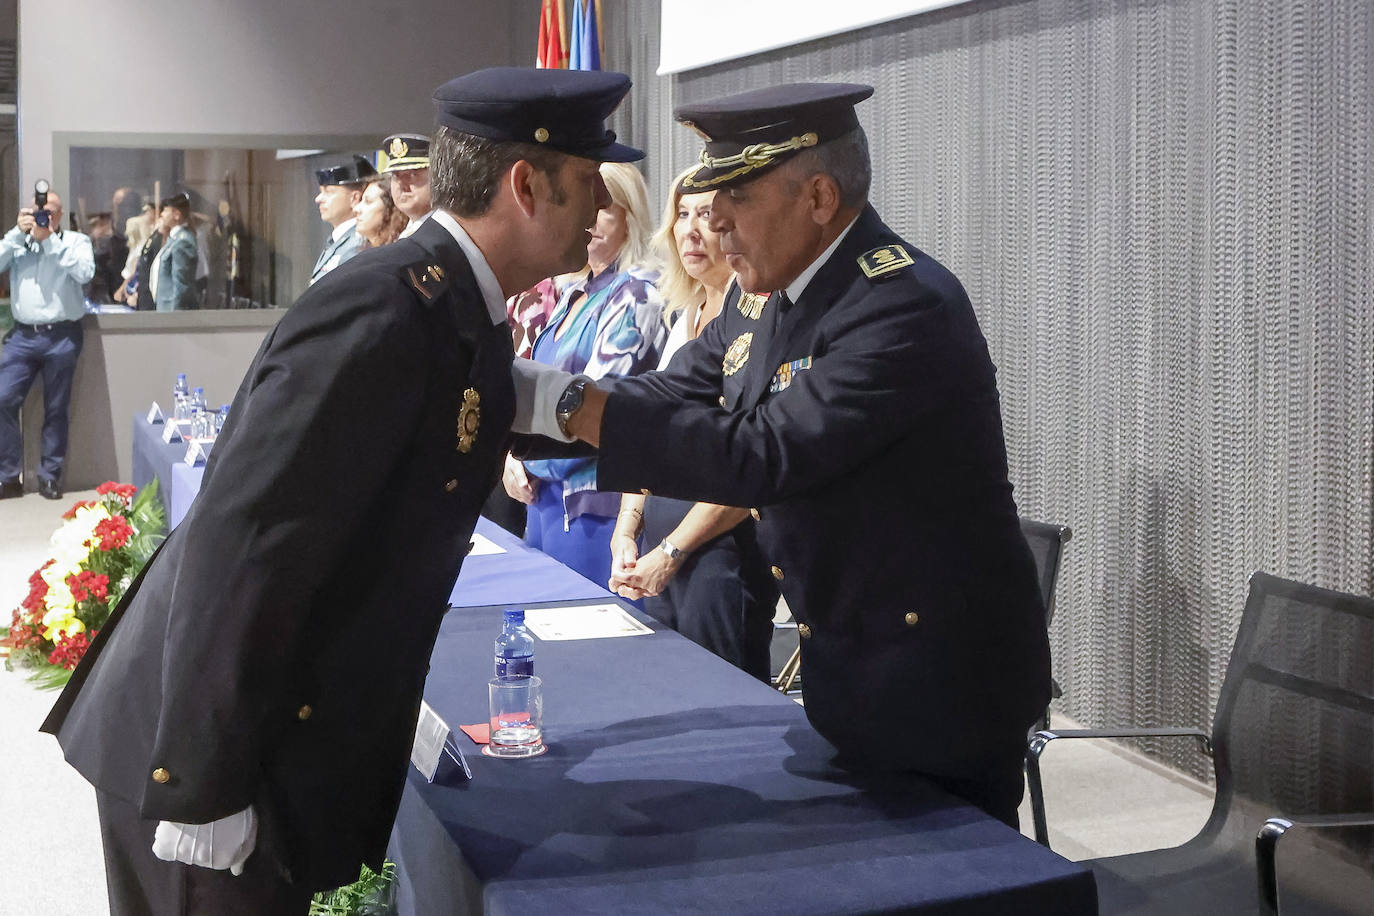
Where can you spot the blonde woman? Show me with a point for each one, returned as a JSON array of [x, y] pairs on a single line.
[[608, 322], [700, 571]]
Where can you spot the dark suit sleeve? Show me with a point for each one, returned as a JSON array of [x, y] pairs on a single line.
[[326, 415], [890, 356]]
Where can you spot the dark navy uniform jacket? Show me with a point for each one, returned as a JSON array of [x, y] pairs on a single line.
[[878, 472], [274, 651]]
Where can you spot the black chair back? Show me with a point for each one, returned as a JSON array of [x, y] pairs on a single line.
[[1294, 728]]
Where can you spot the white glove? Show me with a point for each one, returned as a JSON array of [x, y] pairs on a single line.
[[225, 843]]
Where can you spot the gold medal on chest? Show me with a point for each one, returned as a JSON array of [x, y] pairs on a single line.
[[751, 305], [469, 418], [738, 354]]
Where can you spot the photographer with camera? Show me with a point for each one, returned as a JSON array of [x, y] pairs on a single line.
[[48, 267]]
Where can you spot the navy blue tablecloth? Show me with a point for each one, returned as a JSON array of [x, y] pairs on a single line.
[[675, 783], [519, 576], [154, 459]]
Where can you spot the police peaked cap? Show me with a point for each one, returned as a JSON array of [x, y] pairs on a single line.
[[401, 152], [563, 110], [749, 133]]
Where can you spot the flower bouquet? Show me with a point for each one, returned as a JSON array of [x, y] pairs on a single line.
[[101, 546]]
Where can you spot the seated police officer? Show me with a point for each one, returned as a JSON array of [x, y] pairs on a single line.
[[246, 716], [846, 393], [341, 187]]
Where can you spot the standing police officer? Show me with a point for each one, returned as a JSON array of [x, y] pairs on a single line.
[[407, 164], [250, 707], [341, 187], [856, 409]]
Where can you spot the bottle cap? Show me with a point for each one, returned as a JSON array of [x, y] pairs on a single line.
[[224, 408], [199, 390], [516, 615]]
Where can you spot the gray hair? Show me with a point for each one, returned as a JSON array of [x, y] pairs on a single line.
[[844, 159], [465, 171]]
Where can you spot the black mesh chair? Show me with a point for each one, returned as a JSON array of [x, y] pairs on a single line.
[[1046, 544], [1293, 751]]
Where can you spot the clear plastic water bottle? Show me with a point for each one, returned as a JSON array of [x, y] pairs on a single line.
[[198, 399], [220, 416], [181, 398], [514, 647]]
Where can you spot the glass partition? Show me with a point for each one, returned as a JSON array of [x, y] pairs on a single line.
[[258, 229]]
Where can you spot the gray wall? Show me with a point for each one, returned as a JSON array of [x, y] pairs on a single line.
[[1162, 212], [245, 67], [129, 361]]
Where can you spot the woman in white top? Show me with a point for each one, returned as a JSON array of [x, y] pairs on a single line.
[[700, 571]]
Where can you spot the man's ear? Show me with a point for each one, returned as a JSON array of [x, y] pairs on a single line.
[[824, 196], [355, 196], [521, 181]]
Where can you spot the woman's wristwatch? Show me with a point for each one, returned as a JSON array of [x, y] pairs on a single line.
[[667, 547]]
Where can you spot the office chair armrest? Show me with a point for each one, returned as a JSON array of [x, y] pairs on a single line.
[[1041, 740], [1267, 843]]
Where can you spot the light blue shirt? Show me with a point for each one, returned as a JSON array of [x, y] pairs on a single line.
[[46, 277]]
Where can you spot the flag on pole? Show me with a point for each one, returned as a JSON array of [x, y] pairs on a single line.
[[585, 53], [550, 54]]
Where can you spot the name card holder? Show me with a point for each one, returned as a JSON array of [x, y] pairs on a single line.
[[171, 433], [196, 453], [155, 415], [434, 754]]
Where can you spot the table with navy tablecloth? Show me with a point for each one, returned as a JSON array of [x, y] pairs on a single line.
[[675, 783]]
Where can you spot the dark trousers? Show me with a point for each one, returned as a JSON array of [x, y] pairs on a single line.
[[52, 352], [141, 884]]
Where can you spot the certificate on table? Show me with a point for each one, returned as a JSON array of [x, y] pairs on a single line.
[[587, 621]]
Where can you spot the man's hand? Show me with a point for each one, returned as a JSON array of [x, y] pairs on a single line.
[[517, 483], [26, 223], [225, 843]]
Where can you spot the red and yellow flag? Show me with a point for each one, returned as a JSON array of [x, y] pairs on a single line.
[[553, 42]]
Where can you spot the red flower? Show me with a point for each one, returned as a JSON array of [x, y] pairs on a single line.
[[67, 650], [88, 585], [124, 491], [113, 532]]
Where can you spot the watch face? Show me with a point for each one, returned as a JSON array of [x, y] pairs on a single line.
[[570, 399]]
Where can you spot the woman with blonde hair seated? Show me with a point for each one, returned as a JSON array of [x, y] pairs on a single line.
[[608, 322], [700, 571]]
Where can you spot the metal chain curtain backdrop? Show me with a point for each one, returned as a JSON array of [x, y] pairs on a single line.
[[1161, 211]]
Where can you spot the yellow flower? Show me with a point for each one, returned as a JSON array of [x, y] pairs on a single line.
[[59, 619]]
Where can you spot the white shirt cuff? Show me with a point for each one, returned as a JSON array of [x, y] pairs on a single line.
[[537, 390]]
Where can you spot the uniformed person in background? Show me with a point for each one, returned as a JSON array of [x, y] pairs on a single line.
[[172, 274], [407, 164], [855, 409], [250, 707], [341, 187]]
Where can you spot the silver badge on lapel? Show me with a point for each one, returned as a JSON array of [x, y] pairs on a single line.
[[738, 354], [469, 418]]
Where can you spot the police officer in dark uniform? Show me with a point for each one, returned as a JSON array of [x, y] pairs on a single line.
[[250, 707], [846, 393], [407, 167]]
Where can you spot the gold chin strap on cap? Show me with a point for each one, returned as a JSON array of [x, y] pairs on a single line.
[[748, 159]]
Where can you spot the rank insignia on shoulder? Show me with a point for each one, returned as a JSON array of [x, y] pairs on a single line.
[[751, 305], [782, 379], [884, 260], [469, 418], [738, 354], [428, 283]]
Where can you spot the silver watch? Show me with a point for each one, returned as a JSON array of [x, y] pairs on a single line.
[[667, 547], [569, 402]]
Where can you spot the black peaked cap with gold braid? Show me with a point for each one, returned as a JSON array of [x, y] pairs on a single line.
[[749, 133]]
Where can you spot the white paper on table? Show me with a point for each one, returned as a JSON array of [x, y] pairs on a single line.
[[590, 621], [484, 546]]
